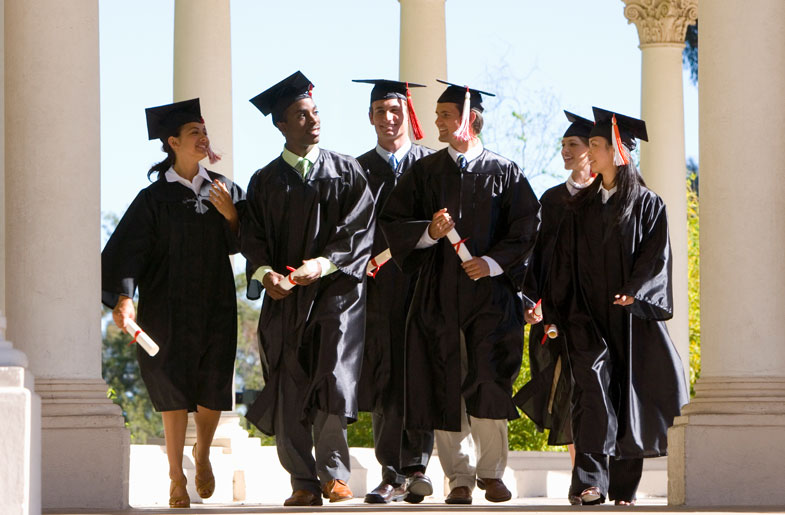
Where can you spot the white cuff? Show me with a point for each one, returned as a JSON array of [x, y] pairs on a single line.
[[493, 265], [426, 240]]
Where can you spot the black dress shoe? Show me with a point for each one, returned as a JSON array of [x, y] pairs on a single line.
[[385, 493], [418, 487]]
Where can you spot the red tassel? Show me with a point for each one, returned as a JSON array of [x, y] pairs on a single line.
[[620, 155], [212, 156], [310, 90], [463, 133], [416, 129]]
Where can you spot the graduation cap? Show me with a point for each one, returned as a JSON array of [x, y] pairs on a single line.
[[579, 126], [463, 96], [384, 89], [277, 98], [620, 130], [163, 121]]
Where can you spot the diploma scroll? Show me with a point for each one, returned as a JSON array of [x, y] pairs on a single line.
[[141, 337], [538, 308], [457, 244], [376, 263]]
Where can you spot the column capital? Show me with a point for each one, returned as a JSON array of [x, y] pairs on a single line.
[[661, 21]]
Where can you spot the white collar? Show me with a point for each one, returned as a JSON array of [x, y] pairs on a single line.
[[573, 187], [195, 185], [399, 154], [292, 158], [607, 194], [470, 155]]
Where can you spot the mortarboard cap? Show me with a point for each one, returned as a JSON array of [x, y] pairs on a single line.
[[163, 121], [276, 99], [619, 130], [384, 89], [456, 94], [580, 126], [468, 99]]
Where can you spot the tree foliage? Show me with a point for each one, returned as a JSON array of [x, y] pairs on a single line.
[[689, 56]]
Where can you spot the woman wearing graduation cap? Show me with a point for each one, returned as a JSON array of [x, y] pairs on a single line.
[[174, 243], [546, 397], [610, 285]]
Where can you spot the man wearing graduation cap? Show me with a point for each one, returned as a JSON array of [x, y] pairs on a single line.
[[464, 338], [546, 397], [310, 210], [609, 292], [403, 454]]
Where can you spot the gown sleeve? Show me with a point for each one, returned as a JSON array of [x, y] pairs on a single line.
[[127, 253], [253, 238], [350, 242], [650, 278], [238, 199], [522, 212], [403, 222]]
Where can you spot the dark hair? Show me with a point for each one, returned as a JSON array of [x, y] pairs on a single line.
[[628, 189], [478, 122], [161, 167]]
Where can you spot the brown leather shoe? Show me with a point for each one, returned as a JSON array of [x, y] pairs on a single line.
[[303, 498], [495, 491], [385, 493], [459, 495], [336, 490]]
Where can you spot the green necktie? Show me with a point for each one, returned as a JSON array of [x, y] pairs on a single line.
[[303, 165]]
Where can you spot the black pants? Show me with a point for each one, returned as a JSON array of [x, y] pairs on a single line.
[[617, 479], [400, 452]]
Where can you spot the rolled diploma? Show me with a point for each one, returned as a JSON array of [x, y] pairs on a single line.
[[538, 308], [141, 337], [287, 283], [551, 331], [378, 261], [463, 252]]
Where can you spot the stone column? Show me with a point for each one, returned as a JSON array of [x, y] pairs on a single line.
[[2, 161], [423, 59], [52, 248], [726, 448], [662, 25], [203, 68]]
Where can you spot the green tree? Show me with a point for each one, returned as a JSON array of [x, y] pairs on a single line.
[[693, 278]]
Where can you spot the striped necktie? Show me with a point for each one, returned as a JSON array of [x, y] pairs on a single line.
[[393, 162], [462, 162]]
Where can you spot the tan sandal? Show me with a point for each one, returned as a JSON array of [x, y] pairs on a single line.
[[204, 478], [178, 501]]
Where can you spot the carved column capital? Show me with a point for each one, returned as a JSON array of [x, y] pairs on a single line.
[[661, 21]]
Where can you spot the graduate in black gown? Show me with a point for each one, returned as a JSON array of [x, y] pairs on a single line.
[[546, 398], [464, 334], [403, 454], [174, 243], [609, 291], [308, 207]]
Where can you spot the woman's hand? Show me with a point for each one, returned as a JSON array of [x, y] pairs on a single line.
[[222, 200], [313, 271], [271, 282], [440, 225], [124, 309], [623, 300]]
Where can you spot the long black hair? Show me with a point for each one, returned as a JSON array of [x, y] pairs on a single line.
[[161, 167], [628, 190]]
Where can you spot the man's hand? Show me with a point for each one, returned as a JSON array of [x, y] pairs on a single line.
[[313, 271], [124, 309], [441, 224], [623, 300], [476, 268], [531, 317], [271, 281]]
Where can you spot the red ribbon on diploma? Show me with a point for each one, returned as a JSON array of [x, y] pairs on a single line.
[[376, 268], [136, 335], [292, 270], [457, 246]]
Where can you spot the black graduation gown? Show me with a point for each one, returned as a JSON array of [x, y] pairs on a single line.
[[629, 382], [316, 333], [545, 401], [494, 207], [175, 246], [389, 296]]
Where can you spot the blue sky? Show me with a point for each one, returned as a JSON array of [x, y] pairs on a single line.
[[540, 56]]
